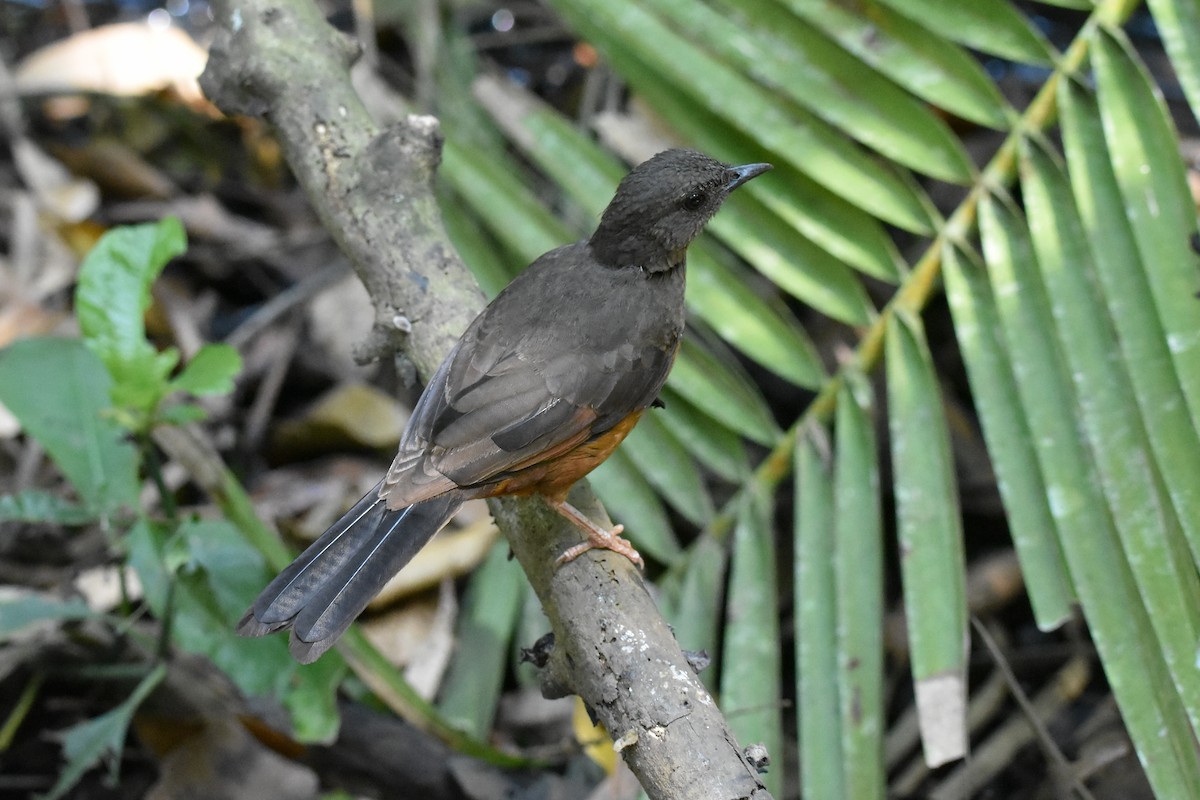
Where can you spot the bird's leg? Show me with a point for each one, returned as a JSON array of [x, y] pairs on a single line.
[[596, 535]]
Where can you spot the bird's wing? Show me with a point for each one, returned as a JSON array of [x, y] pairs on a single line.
[[493, 408]]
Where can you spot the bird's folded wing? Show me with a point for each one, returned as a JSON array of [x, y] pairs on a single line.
[[487, 413]]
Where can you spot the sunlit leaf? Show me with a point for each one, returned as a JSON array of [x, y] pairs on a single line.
[[113, 294], [59, 390], [211, 371]]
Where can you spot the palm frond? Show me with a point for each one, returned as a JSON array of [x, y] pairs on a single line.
[[1075, 313]]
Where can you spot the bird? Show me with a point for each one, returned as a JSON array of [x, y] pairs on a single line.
[[540, 389]]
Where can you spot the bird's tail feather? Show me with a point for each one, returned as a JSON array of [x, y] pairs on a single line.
[[320, 593]]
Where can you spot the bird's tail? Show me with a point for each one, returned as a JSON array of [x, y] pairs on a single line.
[[320, 593]]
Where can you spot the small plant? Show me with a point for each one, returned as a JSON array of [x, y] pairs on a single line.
[[94, 404]]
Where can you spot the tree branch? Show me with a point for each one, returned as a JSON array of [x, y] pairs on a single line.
[[372, 190]]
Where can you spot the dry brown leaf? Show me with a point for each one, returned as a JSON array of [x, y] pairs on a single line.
[[128, 59], [351, 414]]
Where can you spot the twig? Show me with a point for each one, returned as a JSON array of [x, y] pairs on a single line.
[[1051, 750]]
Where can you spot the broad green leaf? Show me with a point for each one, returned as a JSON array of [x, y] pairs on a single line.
[[723, 392], [750, 677], [211, 371], [1125, 285], [1110, 419], [810, 144], [58, 389], [929, 66], [1118, 621], [930, 533], [101, 740], [1162, 213], [666, 464], [113, 294], [22, 610], [1009, 442], [490, 611], [32, 505], [819, 713], [1178, 22], [770, 45], [858, 573], [311, 700], [216, 575], [627, 494], [993, 26]]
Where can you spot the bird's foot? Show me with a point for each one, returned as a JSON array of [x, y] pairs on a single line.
[[597, 537]]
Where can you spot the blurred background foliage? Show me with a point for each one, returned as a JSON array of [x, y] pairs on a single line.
[[942, 362]]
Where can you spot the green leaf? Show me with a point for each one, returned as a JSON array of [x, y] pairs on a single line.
[[1178, 22], [810, 144], [766, 331], [1009, 442], [858, 571], [694, 610], [110, 300], [930, 536], [32, 505], [1125, 285], [491, 609], [1149, 170], [510, 209], [1168, 584], [768, 44], [101, 739], [929, 66], [479, 250], [216, 575], [993, 26], [25, 609], [819, 713], [723, 392], [182, 414], [713, 444], [1117, 619], [58, 389], [751, 681], [312, 700], [211, 371]]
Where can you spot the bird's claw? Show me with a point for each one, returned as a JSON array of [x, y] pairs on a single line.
[[599, 538]]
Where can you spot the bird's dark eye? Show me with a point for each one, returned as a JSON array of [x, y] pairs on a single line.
[[694, 200]]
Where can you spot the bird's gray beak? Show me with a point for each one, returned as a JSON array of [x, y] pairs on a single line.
[[739, 175]]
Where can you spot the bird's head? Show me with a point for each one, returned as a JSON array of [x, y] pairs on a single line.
[[662, 205]]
